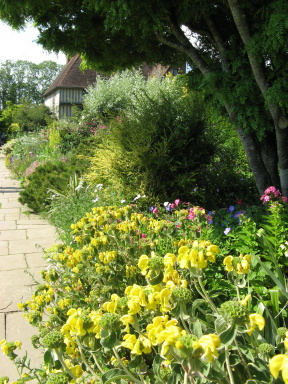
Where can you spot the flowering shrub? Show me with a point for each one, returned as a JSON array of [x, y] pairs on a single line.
[[272, 194], [117, 306]]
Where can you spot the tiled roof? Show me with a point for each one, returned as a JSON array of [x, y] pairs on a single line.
[[72, 76]]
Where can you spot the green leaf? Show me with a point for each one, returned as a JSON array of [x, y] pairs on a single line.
[[113, 375], [157, 279], [109, 341], [234, 359], [48, 358], [156, 365], [176, 377], [227, 337], [197, 303], [135, 362], [259, 370], [220, 324]]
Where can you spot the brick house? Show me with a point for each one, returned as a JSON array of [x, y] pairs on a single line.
[[68, 88]]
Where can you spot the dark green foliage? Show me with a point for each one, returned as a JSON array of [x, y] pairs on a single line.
[[165, 145], [25, 117], [51, 175]]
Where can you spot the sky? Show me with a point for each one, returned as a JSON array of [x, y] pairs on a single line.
[[21, 45]]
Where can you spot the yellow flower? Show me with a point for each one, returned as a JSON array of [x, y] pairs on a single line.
[[209, 344], [137, 346], [4, 347], [279, 363], [77, 371], [256, 320], [110, 306], [164, 297], [239, 264], [228, 263], [127, 320], [244, 302], [143, 264]]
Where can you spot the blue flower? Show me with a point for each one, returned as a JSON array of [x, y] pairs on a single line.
[[231, 208]]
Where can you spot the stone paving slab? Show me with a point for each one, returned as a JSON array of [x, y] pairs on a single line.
[[9, 224], [4, 248], [14, 277], [10, 298], [41, 232], [12, 262], [29, 245], [20, 234], [34, 260], [8, 210]]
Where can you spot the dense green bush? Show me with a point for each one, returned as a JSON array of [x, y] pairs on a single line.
[[25, 117], [166, 143], [51, 175], [110, 96]]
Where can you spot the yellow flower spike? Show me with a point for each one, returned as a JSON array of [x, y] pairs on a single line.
[[127, 320], [133, 305], [279, 363], [136, 350], [129, 341], [193, 257], [209, 344], [183, 257], [169, 259], [228, 263], [153, 301], [143, 264], [201, 262], [256, 320], [164, 297]]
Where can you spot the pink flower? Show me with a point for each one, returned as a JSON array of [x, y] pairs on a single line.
[[143, 235], [177, 201], [285, 199], [269, 190], [265, 198], [277, 193]]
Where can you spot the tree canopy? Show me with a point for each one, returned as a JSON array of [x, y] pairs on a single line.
[[23, 80], [237, 51]]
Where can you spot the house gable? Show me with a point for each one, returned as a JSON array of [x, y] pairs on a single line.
[[68, 88]]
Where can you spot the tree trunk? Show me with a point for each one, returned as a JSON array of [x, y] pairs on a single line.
[[257, 66], [254, 151]]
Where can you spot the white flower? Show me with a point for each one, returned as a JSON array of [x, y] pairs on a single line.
[[123, 201], [95, 200], [98, 186], [166, 203], [78, 187], [137, 197]]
